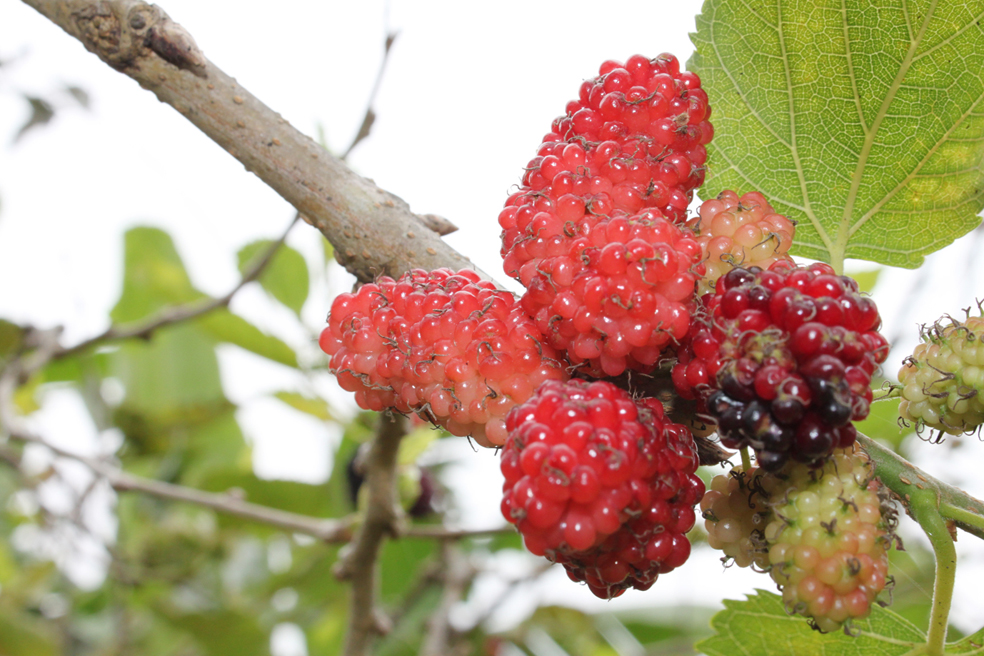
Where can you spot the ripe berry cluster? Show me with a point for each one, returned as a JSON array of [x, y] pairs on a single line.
[[783, 361], [592, 233], [601, 484], [446, 345]]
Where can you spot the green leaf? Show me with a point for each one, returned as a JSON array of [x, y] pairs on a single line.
[[301, 498], [863, 121], [225, 326], [11, 337], [401, 563], [328, 249], [224, 632], [285, 276], [42, 112], [882, 423], [760, 626], [80, 95], [175, 371], [972, 645], [153, 276], [415, 443], [23, 635], [867, 278], [405, 638], [315, 407]]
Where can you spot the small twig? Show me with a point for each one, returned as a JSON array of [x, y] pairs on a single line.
[[370, 115], [438, 224], [965, 517], [438, 532], [542, 568], [171, 316], [383, 516], [327, 530], [457, 574], [428, 578]]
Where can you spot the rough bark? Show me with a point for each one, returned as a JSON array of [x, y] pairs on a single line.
[[373, 231]]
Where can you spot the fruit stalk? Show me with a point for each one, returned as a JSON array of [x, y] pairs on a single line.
[[909, 482], [926, 511]]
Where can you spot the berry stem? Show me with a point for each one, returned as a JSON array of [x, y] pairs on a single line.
[[746, 461], [908, 482], [963, 516], [927, 513], [893, 392]]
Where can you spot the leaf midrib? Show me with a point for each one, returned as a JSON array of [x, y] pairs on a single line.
[[845, 228]]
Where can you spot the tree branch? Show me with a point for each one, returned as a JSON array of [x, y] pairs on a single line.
[[383, 515], [373, 231], [908, 481]]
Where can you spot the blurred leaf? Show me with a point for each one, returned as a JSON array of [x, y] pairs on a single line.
[[176, 369], [225, 326], [25, 397], [80, 95], [224, 632], [405, 639], [326, 635], [11, 337], [867, 278], [655, 632], [362, 427], [760, 626], [153, 276], [8, 564], [66, 370], [401, 562], [575, 631], [861, 121], [506, 540], [285, 277], [23, 635], [315, 407], [413, 445], [328, 250], [215, 445], [302, 498], [914, 573], [882, 423], [41, 113]]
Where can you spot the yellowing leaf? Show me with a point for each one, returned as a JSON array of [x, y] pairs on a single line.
[[863, 121]]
